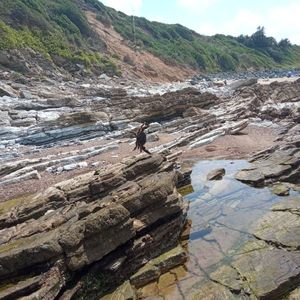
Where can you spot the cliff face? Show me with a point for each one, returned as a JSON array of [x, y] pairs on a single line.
[[84, 37], [113, 220]]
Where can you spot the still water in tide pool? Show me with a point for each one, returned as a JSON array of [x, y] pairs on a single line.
[[220, 217]]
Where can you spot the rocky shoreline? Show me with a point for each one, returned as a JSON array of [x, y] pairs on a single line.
[[99, 216], [117, 218], [103, 115]]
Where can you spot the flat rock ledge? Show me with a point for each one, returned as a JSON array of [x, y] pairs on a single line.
[[81, 237], [277, 165], [158, 266]]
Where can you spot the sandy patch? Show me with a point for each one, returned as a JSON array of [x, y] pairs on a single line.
[[240, 146]]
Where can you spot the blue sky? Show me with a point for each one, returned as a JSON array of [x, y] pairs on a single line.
[[280, 17]]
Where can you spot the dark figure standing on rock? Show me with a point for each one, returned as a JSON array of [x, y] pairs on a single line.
[[141, 139]]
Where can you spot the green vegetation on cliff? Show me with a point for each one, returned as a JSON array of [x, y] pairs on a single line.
[[60, 31], [56, 28], [178, 44]]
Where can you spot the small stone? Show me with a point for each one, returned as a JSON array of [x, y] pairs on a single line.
[[216, 174], [251, 176], [280, 189], [154, 127], [26, 95], [59, 169], [83, 164], [115, 265], [49, 170], [104, 77], [152, 138], [70, 167]]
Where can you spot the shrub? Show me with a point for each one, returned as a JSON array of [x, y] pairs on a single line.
[[128, 60], [104, 19]]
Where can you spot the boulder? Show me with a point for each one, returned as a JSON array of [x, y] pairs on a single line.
[[280, 189], [251, 176]]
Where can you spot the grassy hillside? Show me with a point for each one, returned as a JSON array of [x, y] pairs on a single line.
[[56, 28], [59, 30], [176, 43]]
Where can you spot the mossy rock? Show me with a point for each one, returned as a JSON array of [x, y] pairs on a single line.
[[186, 190], [158, 266]]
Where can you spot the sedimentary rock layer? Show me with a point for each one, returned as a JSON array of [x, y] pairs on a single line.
[[127, 214]]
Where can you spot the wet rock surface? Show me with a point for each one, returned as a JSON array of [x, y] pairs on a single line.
[[267, 267], [158, 266]]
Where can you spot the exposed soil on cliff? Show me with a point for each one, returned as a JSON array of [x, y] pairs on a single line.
[[137, 63]]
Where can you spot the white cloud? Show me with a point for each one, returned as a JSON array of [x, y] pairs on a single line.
[[244, 22], [196, 6], [130, 7], [281, 21]]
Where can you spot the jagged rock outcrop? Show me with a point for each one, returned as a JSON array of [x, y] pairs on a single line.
[[275, 101], [86, 112], [116, 218]]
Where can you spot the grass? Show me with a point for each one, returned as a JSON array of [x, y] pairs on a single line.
[[176, 44], [53, 28], [59, 29]]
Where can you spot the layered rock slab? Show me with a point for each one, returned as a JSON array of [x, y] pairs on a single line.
[[131, 206]]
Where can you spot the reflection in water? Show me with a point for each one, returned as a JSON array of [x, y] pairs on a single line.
[[220, 217], [200, 234]]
